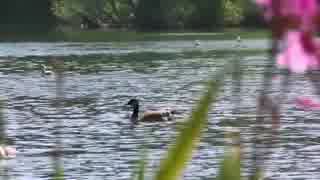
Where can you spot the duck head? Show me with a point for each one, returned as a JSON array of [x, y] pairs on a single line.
[[134, 103]]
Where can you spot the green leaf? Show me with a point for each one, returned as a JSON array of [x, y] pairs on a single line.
[[58, 174], [258, 175], [179, 154], [142, 166], [230, 168]]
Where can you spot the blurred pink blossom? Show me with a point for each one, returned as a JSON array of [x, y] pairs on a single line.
[[306, 103], [302, 12], [300, 54]]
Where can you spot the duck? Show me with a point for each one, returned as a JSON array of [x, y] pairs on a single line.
[[149, 116], [7, 152], [45, 71]]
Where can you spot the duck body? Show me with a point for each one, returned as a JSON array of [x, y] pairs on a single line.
[[148, 116]]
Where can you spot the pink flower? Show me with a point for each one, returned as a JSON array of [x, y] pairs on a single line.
[[295, 22], [300, 54], [302, 12], [307, 103]]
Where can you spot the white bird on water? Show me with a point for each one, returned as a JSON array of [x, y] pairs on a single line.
[[196, 43], [239, 42], [239, 39], [45, 71]]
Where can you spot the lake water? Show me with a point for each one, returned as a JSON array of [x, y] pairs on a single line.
[[99, 142]]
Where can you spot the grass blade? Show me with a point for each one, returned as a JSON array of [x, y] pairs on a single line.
[[141, 171], [258, 175], [230, 168], [178, 155], [58, 174], [142, 166]]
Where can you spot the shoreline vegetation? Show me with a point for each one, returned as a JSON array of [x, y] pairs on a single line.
[[128, 20], [101, 35]]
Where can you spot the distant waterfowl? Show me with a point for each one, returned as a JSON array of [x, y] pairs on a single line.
[[239, 39], [238, 42], [45, 71], [149, 116], [7, 152], [196, 43]]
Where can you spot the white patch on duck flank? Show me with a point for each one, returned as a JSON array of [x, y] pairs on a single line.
[[7, 152]]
